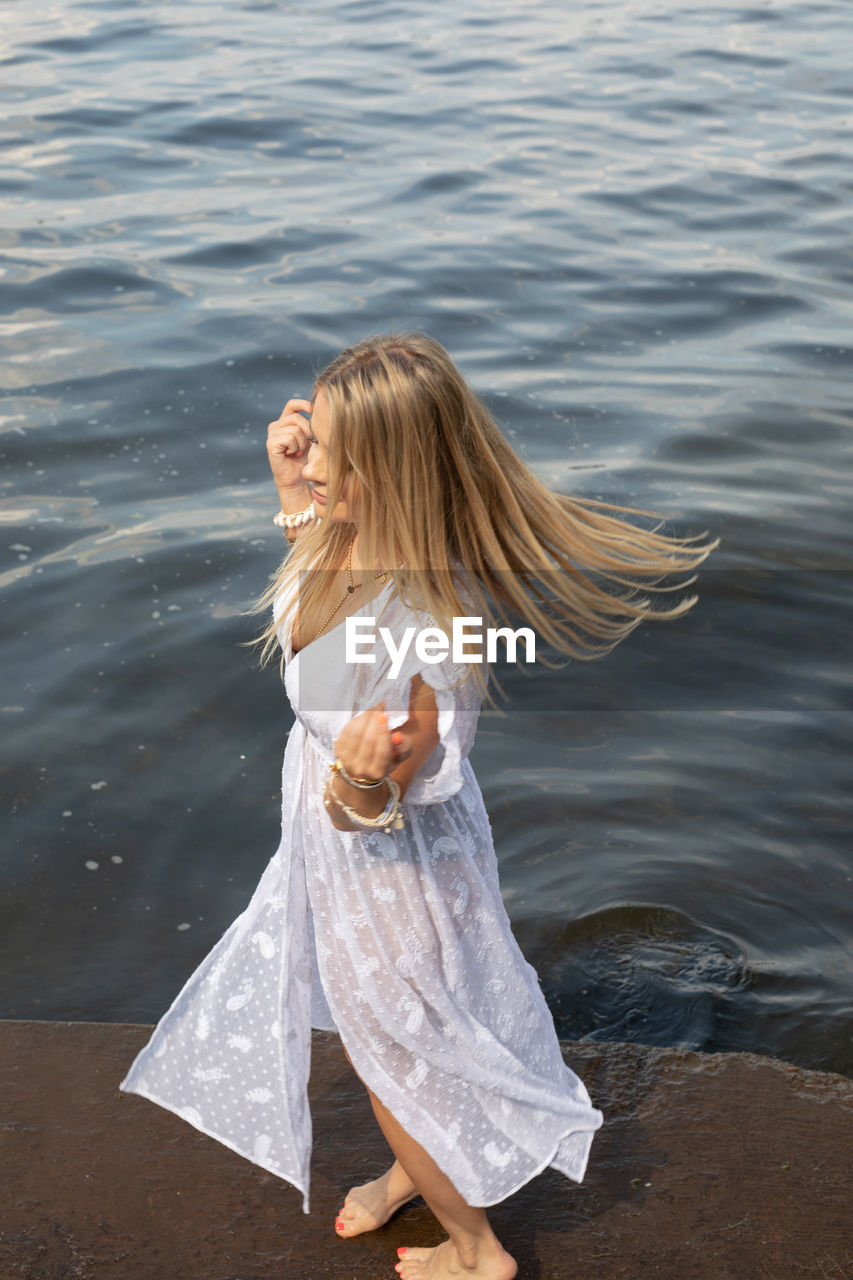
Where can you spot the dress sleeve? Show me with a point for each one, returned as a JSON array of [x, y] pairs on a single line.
[[458, 699]]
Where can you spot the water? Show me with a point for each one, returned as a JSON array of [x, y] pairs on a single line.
[[631, 228]]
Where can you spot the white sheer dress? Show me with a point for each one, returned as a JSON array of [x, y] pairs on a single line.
[[399, 942]]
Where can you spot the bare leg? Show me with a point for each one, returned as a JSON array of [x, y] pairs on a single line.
[[371, 1205], [473, 1250]]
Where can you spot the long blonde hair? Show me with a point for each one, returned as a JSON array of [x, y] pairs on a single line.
[[441, 493]]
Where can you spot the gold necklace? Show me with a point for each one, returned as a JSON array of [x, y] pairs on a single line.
[[353, 586]]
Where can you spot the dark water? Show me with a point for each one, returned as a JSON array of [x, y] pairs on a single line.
[[630, 225]]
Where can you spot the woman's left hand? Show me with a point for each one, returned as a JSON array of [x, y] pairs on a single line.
[[367, 748]]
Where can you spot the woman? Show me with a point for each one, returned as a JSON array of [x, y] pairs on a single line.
[[380, 914]]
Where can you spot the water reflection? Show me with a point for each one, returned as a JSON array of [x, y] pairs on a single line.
[[628, 227]]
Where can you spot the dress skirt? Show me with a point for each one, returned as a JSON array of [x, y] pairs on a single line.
[[399, 942]]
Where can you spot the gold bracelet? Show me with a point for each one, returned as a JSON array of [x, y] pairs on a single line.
[[390, 819], [363, 784]]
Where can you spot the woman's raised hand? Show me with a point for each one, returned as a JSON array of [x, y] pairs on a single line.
[[288, 442], [367, 748]]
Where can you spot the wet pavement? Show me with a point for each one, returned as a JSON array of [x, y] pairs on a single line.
[[708, 1167]]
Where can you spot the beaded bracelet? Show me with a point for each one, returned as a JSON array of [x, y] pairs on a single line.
[[390, 819], [294, 519]]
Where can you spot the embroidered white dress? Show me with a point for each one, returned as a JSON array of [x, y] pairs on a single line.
[[399, 942]]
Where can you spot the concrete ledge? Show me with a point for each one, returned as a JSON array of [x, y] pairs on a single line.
[[708, 1167]]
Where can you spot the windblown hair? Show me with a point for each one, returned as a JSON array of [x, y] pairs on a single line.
[[441, 493]]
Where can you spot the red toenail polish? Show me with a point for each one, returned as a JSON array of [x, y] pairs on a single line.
[[400, 1253]]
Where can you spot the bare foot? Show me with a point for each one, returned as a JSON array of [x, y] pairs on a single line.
[[445, 1263], [368, 1207]]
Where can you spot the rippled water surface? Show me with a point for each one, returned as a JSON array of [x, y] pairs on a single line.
[[630, 224]]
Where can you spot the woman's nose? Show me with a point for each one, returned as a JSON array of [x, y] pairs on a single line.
[[311, 469]]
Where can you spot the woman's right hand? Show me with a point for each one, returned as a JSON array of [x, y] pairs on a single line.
[[288, 442], [367, 748]]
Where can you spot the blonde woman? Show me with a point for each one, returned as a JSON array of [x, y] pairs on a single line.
[[380, 915]]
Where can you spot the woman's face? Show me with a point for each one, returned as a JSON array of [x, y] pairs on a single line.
[[315, 470]]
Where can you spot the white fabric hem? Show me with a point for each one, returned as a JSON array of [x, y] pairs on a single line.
[[546, 1164], [588, 1135], [262, 1164]]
